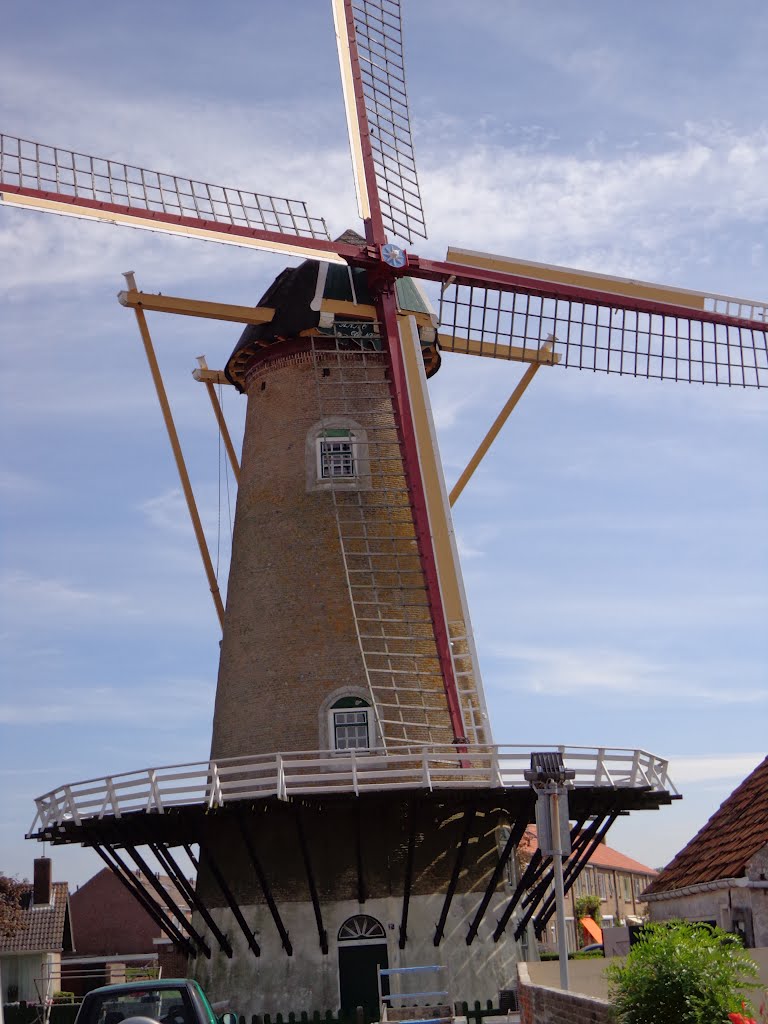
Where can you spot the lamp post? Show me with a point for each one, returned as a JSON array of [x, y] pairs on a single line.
[[548, 777]]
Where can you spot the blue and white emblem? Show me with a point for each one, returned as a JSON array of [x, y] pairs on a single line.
[[393, 255]]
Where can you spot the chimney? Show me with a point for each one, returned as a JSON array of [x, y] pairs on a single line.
[[42, 889]]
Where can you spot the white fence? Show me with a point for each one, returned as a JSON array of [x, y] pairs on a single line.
[[216, 783]]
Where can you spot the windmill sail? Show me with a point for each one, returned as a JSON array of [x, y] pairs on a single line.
[[493, 306], [370, 44], [65, 182]]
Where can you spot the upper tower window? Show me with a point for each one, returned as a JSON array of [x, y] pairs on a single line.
[[336, 454]]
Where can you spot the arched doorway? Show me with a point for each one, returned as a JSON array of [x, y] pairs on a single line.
[[362, 947]]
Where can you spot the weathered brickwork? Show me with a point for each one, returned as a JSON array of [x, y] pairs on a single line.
[[290, 638], [540, 1005]]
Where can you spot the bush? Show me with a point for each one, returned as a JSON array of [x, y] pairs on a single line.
[[589, 906], [681, 972]]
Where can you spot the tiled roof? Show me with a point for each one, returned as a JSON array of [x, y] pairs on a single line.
[[728, 841], [603, 857], [45, 927]]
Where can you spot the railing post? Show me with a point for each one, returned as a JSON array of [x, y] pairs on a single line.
[[425, 767], [282, 791], [154, 792], [495, 769], [214, 796], [354, 773], [72, 805], [635, 775]]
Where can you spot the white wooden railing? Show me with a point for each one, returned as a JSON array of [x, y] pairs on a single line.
[[216, 783]]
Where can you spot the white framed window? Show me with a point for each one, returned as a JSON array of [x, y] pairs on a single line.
[[351, 724], [602, 885], [336, 454]]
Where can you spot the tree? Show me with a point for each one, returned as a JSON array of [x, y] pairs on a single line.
[[11, 916], [681, 971], [11, 912]]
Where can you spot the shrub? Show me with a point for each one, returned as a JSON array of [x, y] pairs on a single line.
[[683, 972], [589, 906]]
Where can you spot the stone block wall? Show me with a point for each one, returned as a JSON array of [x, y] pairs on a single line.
[[542, 1005]]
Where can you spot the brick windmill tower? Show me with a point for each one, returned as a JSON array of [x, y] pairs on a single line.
[[355, 811]]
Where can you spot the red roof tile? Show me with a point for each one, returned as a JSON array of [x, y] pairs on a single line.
[[45, 926], [728, 841], [603, 857]]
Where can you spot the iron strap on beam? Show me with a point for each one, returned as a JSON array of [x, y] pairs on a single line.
[[267, 892], [469, 820], [514, 837], [232, 903]]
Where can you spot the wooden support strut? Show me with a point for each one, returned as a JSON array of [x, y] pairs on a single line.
[[469, 819], [514, 837], [173, 437], [321, 932], [164, 856], [548, 908], [176, 911], [218, 412], [408, 880], [498, 423], [125, 875], [221, 881], [284, 938]]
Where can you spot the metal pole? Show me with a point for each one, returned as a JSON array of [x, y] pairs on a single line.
[[557, 863]]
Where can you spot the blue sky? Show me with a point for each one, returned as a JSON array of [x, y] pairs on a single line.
[[614, 541]]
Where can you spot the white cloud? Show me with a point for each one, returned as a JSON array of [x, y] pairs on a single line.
[[599, 673], [23, 593], [163, 704], [691, 769]]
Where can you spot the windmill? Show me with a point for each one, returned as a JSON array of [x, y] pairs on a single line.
[[492, 307]]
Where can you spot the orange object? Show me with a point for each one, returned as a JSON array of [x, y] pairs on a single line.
[[591, 928]]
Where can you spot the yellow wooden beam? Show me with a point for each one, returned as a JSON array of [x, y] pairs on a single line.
[[188, 231], [496, 350], [497, 424], [579, 278], [196, 307], [181, 466], [208, 376], [218, 412]]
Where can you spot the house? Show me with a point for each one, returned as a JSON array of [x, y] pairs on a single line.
[[116, 936], [618, 880], [30, 959], [721, 876]]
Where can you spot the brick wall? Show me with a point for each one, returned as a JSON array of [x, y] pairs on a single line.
[[289, 635], [108, 921], [541, 1005], [171, 961]]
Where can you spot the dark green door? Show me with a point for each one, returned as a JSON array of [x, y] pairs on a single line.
[[357, 977]]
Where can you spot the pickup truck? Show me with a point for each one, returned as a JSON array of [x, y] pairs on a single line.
[[166, 1001]]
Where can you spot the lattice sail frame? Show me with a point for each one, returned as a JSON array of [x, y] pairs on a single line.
[[373, 73], [603, 335], [63, 181]]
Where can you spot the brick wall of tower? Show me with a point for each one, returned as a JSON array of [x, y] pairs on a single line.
[[289, 636]]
